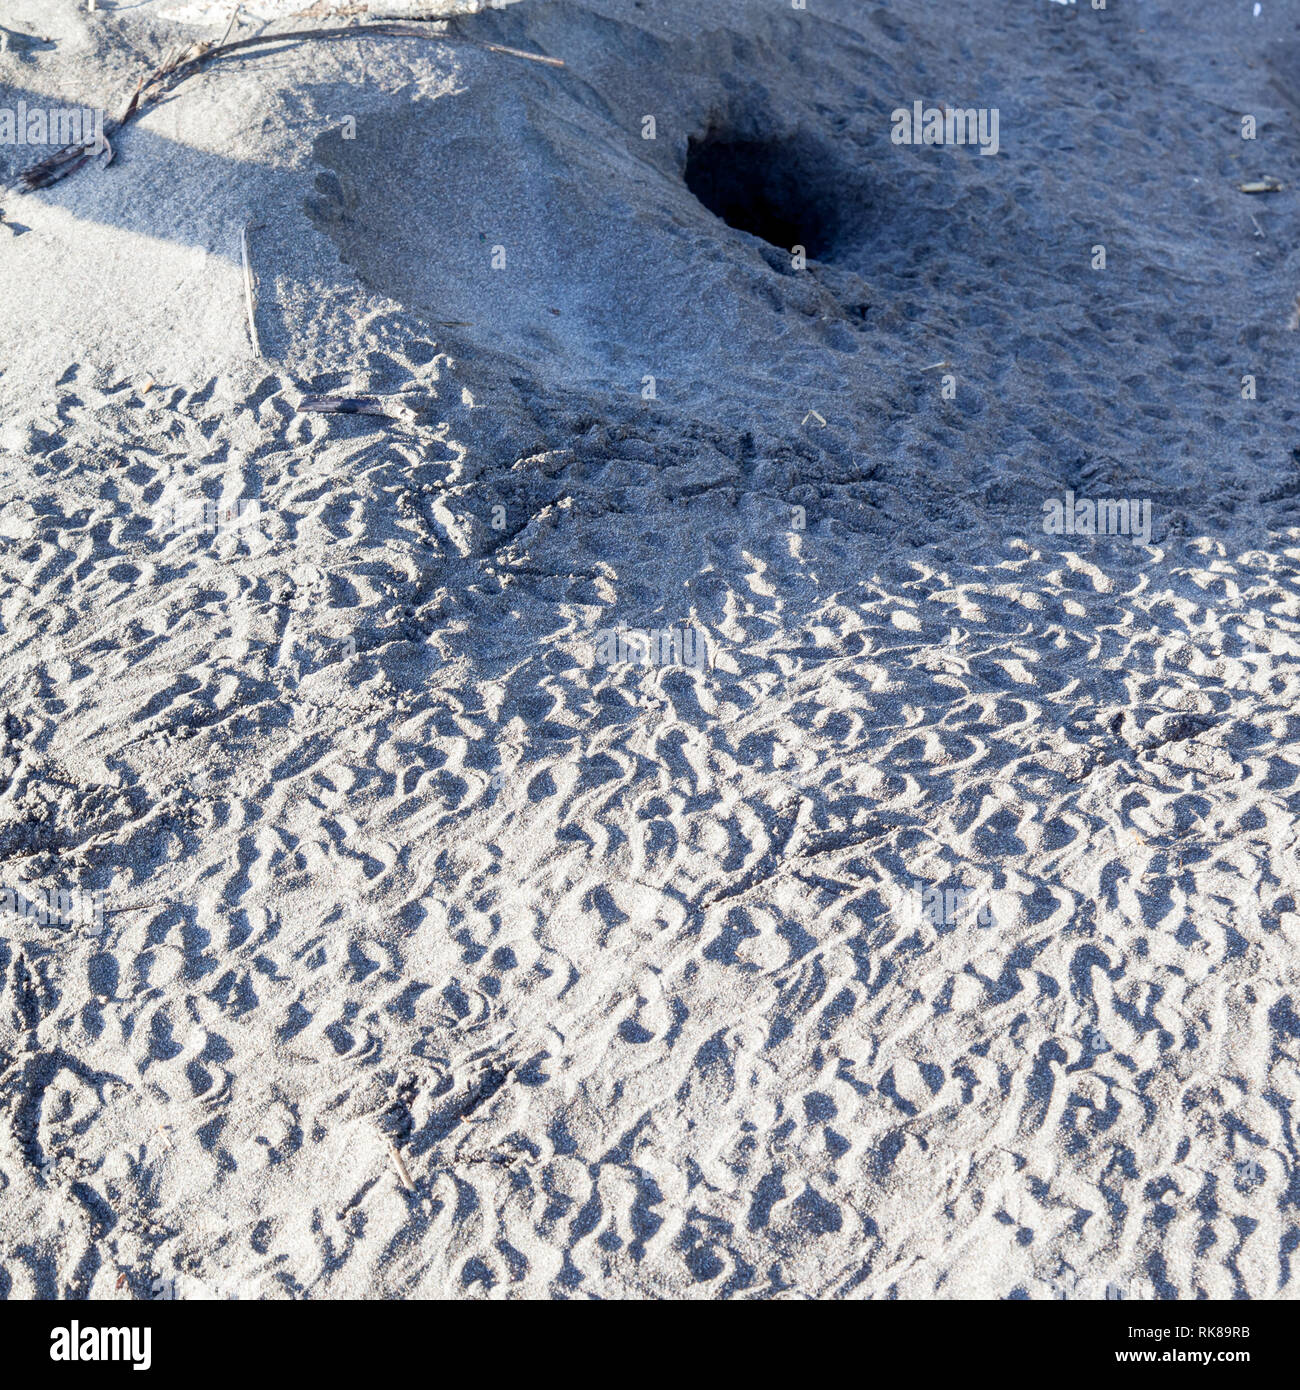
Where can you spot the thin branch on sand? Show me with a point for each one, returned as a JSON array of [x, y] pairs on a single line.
[[250, 294], [399, 1163], [185, 62], [394, 408]]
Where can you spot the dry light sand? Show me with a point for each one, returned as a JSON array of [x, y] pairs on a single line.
[[924, 927]]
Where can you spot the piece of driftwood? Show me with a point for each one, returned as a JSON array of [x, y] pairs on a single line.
[[185, 62]]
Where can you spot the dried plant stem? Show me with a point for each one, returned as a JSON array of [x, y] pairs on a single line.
[[250, 294], [400, 1164]]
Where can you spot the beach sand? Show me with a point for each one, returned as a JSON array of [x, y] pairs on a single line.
[[921, 922]]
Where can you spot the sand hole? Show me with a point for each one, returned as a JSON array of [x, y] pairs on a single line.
[[783, 191]]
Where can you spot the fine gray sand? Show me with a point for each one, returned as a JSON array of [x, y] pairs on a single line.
[[657, 977]]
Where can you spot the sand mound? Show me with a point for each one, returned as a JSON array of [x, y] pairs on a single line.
[[664, 777]]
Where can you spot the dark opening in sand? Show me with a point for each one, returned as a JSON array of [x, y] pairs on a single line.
[[779, 190]]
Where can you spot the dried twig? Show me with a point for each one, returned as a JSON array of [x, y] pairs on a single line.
[[183, 63], [399, 1163], [250, 295], [234, 19], [518, 53], [57, 166], [392, 407]]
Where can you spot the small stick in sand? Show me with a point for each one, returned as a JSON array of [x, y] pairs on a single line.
[[250, 296], [519, 53], [402, 1171], [234, 19], [356, 405]]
